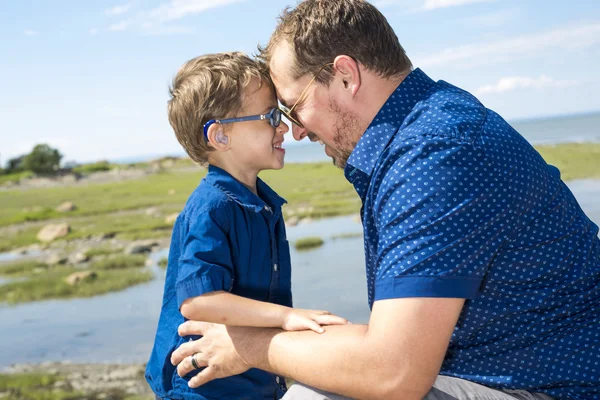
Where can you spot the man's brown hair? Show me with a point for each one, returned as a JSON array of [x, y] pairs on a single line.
[[209, 87], [319, 30]]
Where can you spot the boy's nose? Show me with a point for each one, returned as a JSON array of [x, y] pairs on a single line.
[[283, 128], [298, 133]]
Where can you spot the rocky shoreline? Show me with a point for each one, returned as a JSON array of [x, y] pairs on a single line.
[[91, 381]]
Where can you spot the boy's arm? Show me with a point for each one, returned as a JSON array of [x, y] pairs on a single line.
[[228, 309]]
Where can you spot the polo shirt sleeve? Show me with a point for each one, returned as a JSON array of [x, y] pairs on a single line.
[[205, 264], [440, 219]]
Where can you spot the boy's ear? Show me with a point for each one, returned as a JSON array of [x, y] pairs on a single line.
[[217, 138]]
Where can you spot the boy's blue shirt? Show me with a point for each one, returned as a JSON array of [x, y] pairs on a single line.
[[226, 238]]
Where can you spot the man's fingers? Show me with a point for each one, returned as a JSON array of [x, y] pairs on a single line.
[[204, 376], [183, 351], [186, 366], [331, 320], [192, 328]]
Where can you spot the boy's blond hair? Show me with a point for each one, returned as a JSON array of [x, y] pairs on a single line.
[[209, 87]]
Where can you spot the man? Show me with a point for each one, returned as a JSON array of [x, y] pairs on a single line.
[[483, 273]]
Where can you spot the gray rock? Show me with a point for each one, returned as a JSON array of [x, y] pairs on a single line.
[[141, 247], [52, 232], [67, 206], [171, 218], [152, 211], [80, 277], [292, 221], [56, 259], [60, 385], [78, 258]]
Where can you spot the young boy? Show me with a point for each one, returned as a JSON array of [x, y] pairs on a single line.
[[229, 259]]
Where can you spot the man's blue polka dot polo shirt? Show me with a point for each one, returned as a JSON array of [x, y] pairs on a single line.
[[456, 203]]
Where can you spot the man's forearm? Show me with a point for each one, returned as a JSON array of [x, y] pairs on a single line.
[[341, 360]]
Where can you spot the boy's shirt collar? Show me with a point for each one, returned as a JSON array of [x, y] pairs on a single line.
[[239, 193]]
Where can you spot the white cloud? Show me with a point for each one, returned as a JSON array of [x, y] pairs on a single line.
[[93, 32], [511, 83], [433, 4], [177, 9], [30, 32], [121, 26], [567, 38], [118, 10], [155, 20]]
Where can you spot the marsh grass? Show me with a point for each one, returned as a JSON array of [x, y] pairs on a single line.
[[102, 251], [163, 262], [30, 386], [52, 284], [21, 268], [308, 243], [38, 386], [120, 261], [312, 190]]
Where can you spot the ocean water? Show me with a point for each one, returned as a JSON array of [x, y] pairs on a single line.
[[574, 128]]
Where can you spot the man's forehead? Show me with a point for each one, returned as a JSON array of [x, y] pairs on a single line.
[[279, 68], [282, 90]]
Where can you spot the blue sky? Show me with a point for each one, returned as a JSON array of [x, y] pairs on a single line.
[[91, 77]]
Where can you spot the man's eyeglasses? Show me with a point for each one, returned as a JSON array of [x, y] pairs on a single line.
[[274, 117], [289, 112]]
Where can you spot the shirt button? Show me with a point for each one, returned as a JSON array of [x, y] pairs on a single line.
[[277, 379], [275, 267]]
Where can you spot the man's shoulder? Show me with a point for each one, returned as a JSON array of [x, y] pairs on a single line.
[[446, 112]]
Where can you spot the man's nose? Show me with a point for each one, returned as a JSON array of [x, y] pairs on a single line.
[[298, 133]]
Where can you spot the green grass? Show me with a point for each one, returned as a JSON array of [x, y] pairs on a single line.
[[94, 167], [575, 160], [98, 199], [163, 262], [21, 268], [33, 386], [52, 284], [102, 251], [130, 225], [120, 261], [307, 243], [312, 191], [37, 386], [15, 177]]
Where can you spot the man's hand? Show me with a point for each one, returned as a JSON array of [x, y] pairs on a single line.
[[298, 320], [215, 351]]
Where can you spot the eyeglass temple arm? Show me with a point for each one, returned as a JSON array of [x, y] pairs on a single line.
[[232, 120]]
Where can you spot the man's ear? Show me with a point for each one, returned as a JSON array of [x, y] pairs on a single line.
[[349, 71], [217, 138]]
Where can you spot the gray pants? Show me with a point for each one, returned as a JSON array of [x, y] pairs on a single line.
[[444, 388]]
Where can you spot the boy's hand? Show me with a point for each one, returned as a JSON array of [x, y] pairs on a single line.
[[299, 320]]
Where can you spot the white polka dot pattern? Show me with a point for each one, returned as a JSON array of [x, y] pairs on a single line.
[[457, 204]]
